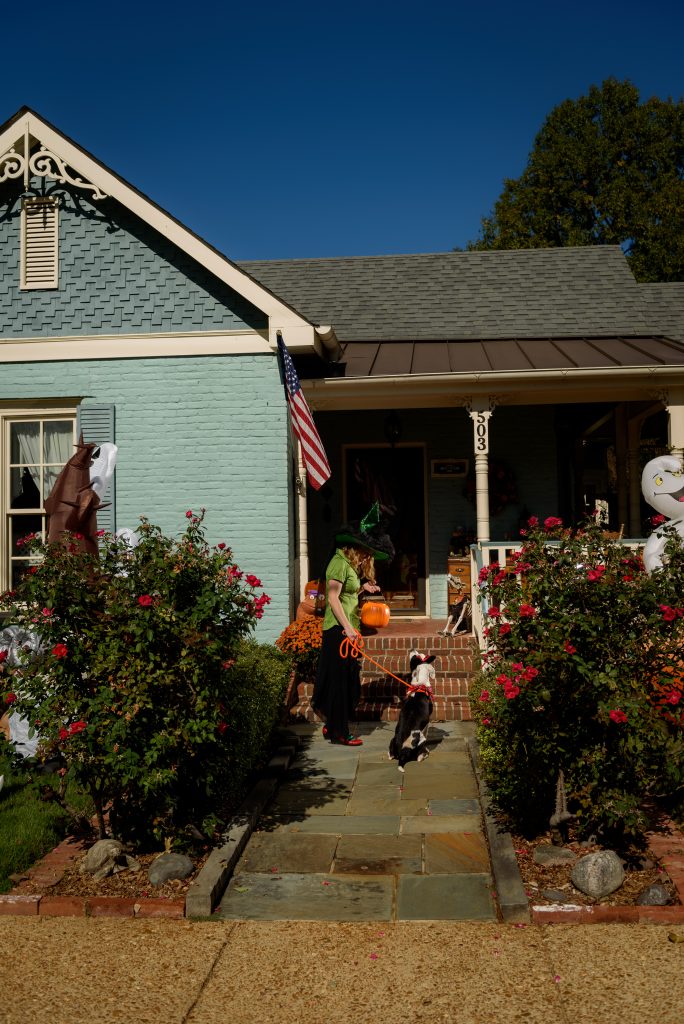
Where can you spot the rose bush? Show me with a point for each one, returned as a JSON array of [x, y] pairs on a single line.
[[578, 677], [145, 684]]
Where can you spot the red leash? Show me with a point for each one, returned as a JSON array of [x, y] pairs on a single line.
[[355, 648]]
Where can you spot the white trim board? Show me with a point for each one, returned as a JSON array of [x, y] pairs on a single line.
[[107, 346]]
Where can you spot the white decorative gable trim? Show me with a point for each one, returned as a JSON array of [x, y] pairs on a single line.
[[64, 160]]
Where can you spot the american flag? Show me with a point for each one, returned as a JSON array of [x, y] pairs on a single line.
[[313, 452]]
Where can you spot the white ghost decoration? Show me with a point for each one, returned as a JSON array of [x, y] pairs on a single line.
[[662, 485]]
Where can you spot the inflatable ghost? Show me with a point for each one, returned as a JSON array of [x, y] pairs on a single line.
[[662, 485]]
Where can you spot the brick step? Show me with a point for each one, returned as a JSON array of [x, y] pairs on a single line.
[[448, 665], [384, 688], [446, 709], [424, 644], [379, 687]]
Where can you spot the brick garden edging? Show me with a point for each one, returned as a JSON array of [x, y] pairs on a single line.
[[203, 893]]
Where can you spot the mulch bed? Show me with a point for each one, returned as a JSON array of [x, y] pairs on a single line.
[[641, 869], [126, 884]]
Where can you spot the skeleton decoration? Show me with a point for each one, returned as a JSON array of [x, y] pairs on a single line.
[[662, 485]]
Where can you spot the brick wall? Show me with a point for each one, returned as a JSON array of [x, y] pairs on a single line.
[[198, 431]]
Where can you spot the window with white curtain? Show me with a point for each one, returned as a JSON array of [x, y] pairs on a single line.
[[33, 453]]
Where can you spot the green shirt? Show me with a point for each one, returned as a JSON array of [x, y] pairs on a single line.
[[340, 569]]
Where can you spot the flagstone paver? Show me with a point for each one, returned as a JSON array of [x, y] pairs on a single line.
[[349, 838], [453, 897], [308, 897], [379, 855], [278, 852], [455, 852]]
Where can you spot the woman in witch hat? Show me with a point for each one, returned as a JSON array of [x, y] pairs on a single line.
[[350, 572]]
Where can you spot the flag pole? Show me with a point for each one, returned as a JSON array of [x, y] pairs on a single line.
[[300, 484]]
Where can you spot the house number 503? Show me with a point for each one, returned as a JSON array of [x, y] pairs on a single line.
[[481, 424]]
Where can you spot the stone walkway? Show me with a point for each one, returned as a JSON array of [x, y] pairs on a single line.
[[348, 838]]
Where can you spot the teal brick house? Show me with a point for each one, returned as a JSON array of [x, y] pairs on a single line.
[[460, 389]]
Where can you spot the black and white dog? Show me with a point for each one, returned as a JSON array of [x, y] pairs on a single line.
[[409, 740]]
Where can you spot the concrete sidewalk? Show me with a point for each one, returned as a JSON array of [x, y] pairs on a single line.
[[97, 971], [350, 838]]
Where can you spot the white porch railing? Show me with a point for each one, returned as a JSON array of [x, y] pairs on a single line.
[[491, 551]]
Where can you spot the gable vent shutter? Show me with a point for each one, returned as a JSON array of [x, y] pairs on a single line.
[[39, 243], [96, 423]]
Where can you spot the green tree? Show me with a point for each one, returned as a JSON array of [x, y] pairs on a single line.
[[604, 169]]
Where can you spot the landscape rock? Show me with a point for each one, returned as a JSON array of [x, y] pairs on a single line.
[[655, 895], [101, 858], [555, 895], [598, 874], [169, 866], [549, 856]]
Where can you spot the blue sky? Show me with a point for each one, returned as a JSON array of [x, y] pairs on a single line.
[[280, 130]]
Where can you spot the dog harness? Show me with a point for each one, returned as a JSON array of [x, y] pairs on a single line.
[[420, 688]]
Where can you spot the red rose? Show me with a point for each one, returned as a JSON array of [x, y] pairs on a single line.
[[657, 520], [569, 649], [494, 612], [253, 581], [484, 695], [188, 514], [64, 734], [530, 673], [76, 727], [616, 715], [11, 697], [596, 574], [221, 546], [526, 611], [144, 600], [511, 691], [3, 656], [504, 629], [533, 522], [551, 522], [673, 697], [60, 650]]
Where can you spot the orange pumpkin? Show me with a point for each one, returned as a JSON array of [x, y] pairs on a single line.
[[375, 613]]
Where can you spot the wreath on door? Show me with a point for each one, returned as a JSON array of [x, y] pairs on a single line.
[[503, 489]]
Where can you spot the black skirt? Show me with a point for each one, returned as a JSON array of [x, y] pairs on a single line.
[[338, 684]]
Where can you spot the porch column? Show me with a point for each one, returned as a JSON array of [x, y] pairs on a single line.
[[480, 411], [675, 430], [303, 523]]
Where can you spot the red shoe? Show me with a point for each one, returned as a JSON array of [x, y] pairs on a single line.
[[347, 741]]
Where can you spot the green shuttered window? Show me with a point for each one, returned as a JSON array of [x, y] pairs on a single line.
[[96, 423]]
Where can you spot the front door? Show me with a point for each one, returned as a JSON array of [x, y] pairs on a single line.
[[395, 477]]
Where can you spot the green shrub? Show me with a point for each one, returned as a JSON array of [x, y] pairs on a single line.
[[143, 685], [32, 817], [578, 677]]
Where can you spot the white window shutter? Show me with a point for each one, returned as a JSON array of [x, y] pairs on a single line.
[[96, 423], [39, 243]]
